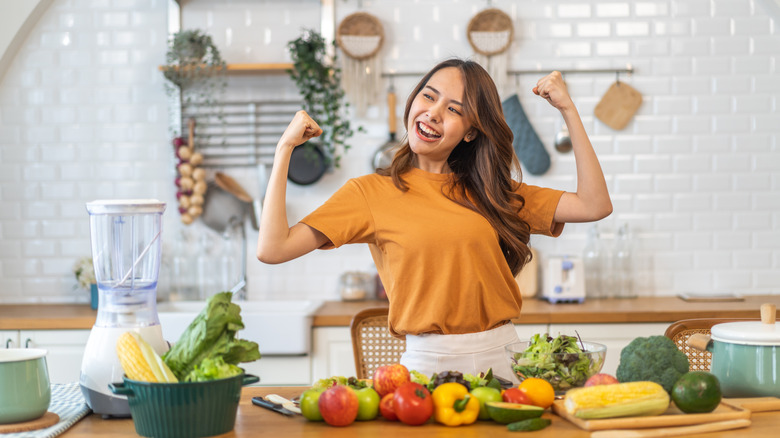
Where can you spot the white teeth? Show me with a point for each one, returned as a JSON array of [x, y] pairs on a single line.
[[427, 131]]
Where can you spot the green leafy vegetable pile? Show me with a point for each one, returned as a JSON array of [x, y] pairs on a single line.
[[208, 349], [559, 361]]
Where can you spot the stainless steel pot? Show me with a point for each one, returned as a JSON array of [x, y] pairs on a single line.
[[745, 355]]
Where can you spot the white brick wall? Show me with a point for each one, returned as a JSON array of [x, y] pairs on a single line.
[[696, 173]]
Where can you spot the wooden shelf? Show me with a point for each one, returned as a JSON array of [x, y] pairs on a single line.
[[270, 68]]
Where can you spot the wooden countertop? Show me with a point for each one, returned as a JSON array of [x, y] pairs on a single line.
[[253, 421], [339, 314], [644, 309]]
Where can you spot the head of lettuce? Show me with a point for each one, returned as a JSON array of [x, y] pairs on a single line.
[[208, 349]]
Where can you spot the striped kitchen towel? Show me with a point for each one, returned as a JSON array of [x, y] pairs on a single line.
[[67, 402]]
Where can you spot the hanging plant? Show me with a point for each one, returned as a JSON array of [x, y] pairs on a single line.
[[194, 69], [319, 84]]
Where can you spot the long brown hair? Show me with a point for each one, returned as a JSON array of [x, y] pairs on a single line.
[[483, 167]]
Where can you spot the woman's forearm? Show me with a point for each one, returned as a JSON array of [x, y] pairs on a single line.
[[592, 200]]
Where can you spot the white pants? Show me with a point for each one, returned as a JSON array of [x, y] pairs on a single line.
[[470, 353]]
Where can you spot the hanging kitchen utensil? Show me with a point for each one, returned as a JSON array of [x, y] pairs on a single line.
[[232, 186], [220, 208], [490, 33], [384, 156], [562, 139], [307, 164], [618, 105], [360, 36]]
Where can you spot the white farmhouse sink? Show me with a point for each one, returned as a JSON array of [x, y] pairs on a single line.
[[278, 327]]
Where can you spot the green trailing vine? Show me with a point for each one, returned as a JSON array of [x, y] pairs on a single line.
[[319, 84]]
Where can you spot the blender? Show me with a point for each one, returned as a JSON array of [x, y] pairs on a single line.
[[126, 248]]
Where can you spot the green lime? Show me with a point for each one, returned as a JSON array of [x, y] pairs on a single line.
[[696, 392]]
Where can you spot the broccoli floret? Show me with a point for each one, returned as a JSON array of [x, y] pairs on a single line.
[[655, 358]]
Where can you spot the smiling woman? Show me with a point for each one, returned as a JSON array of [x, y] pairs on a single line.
[[446, 224]]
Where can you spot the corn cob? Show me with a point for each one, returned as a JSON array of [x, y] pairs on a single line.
[[619, 400], [140, 362]]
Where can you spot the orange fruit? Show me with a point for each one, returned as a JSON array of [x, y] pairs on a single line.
[[539, 391]]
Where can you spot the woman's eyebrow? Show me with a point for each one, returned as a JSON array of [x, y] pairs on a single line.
[[439, 94]]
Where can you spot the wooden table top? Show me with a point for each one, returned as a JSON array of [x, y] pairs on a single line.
[[339, 313], [253, 421]]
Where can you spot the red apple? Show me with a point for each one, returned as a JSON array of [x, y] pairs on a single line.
[[389, 377], [387, 408], [601, 379], [338, 405]]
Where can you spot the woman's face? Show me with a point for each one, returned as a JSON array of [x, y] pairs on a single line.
[[437, 122]]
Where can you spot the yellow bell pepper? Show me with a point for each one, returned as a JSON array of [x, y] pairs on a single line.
[[453, 405]]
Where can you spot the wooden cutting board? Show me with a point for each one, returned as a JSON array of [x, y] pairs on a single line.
[[671, 418], [618, 105]]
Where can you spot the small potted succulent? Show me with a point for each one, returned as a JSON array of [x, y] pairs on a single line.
[[85, 276]]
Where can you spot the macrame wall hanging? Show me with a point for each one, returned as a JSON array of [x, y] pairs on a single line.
[[490, 33], [360, 36]]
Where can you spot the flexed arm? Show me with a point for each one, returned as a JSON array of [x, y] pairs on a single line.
[[591, 200], [277, 241]]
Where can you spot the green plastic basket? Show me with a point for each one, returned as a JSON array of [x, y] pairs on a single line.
[[185, 409]]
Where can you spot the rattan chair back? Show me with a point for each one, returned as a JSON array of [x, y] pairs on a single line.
[[680, 331], [372, 343]]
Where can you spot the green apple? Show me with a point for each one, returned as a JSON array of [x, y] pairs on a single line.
[[368, 404], [485, 394], [310, 404]]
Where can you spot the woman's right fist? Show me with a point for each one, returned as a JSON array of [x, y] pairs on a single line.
[[301, 129]]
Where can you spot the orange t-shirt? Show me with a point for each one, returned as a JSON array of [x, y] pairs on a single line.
[[440, 262]]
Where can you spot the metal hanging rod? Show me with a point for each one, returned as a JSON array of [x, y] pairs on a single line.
[[628, 70]]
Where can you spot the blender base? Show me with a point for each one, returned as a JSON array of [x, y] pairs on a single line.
[[107, 406]]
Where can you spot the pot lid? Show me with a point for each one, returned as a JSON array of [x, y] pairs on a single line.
[[747, 333], [764, 332]]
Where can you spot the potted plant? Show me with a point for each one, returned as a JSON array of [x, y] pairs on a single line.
[[319, 83], [85, 276], [194, 69]]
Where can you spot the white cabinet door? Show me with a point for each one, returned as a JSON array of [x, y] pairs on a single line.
[[614, 336], [65, 351], [332, 353], [9, 338], [281, 370]]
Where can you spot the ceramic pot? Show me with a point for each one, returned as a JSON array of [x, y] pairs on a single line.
[[25, 391]]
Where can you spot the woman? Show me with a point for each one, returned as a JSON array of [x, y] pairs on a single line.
[[447, 226]]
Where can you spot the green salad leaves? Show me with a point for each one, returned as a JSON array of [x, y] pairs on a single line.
[[208, 349], [557, 360]]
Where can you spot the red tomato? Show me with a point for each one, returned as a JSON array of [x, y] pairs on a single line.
[[413, 403], [514, 395], [386, 407]]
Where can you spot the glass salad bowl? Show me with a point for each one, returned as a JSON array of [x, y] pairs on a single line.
[[564, 368]]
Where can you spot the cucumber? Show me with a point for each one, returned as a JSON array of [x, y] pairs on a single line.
[[529, 425]]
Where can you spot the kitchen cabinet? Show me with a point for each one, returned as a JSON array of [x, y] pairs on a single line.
[[10, 339], [65, 349], [614, 336], [281, 370], [332, 353]]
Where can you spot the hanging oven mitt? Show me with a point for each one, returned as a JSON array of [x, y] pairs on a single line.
[[618, 105], [527, 145]]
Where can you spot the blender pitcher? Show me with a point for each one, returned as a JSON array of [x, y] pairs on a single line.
[[126, 249]]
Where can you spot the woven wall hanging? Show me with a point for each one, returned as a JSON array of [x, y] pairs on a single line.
[[360, 36], [490, 34]]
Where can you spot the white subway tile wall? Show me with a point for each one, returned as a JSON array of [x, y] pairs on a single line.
[[695, 174]]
